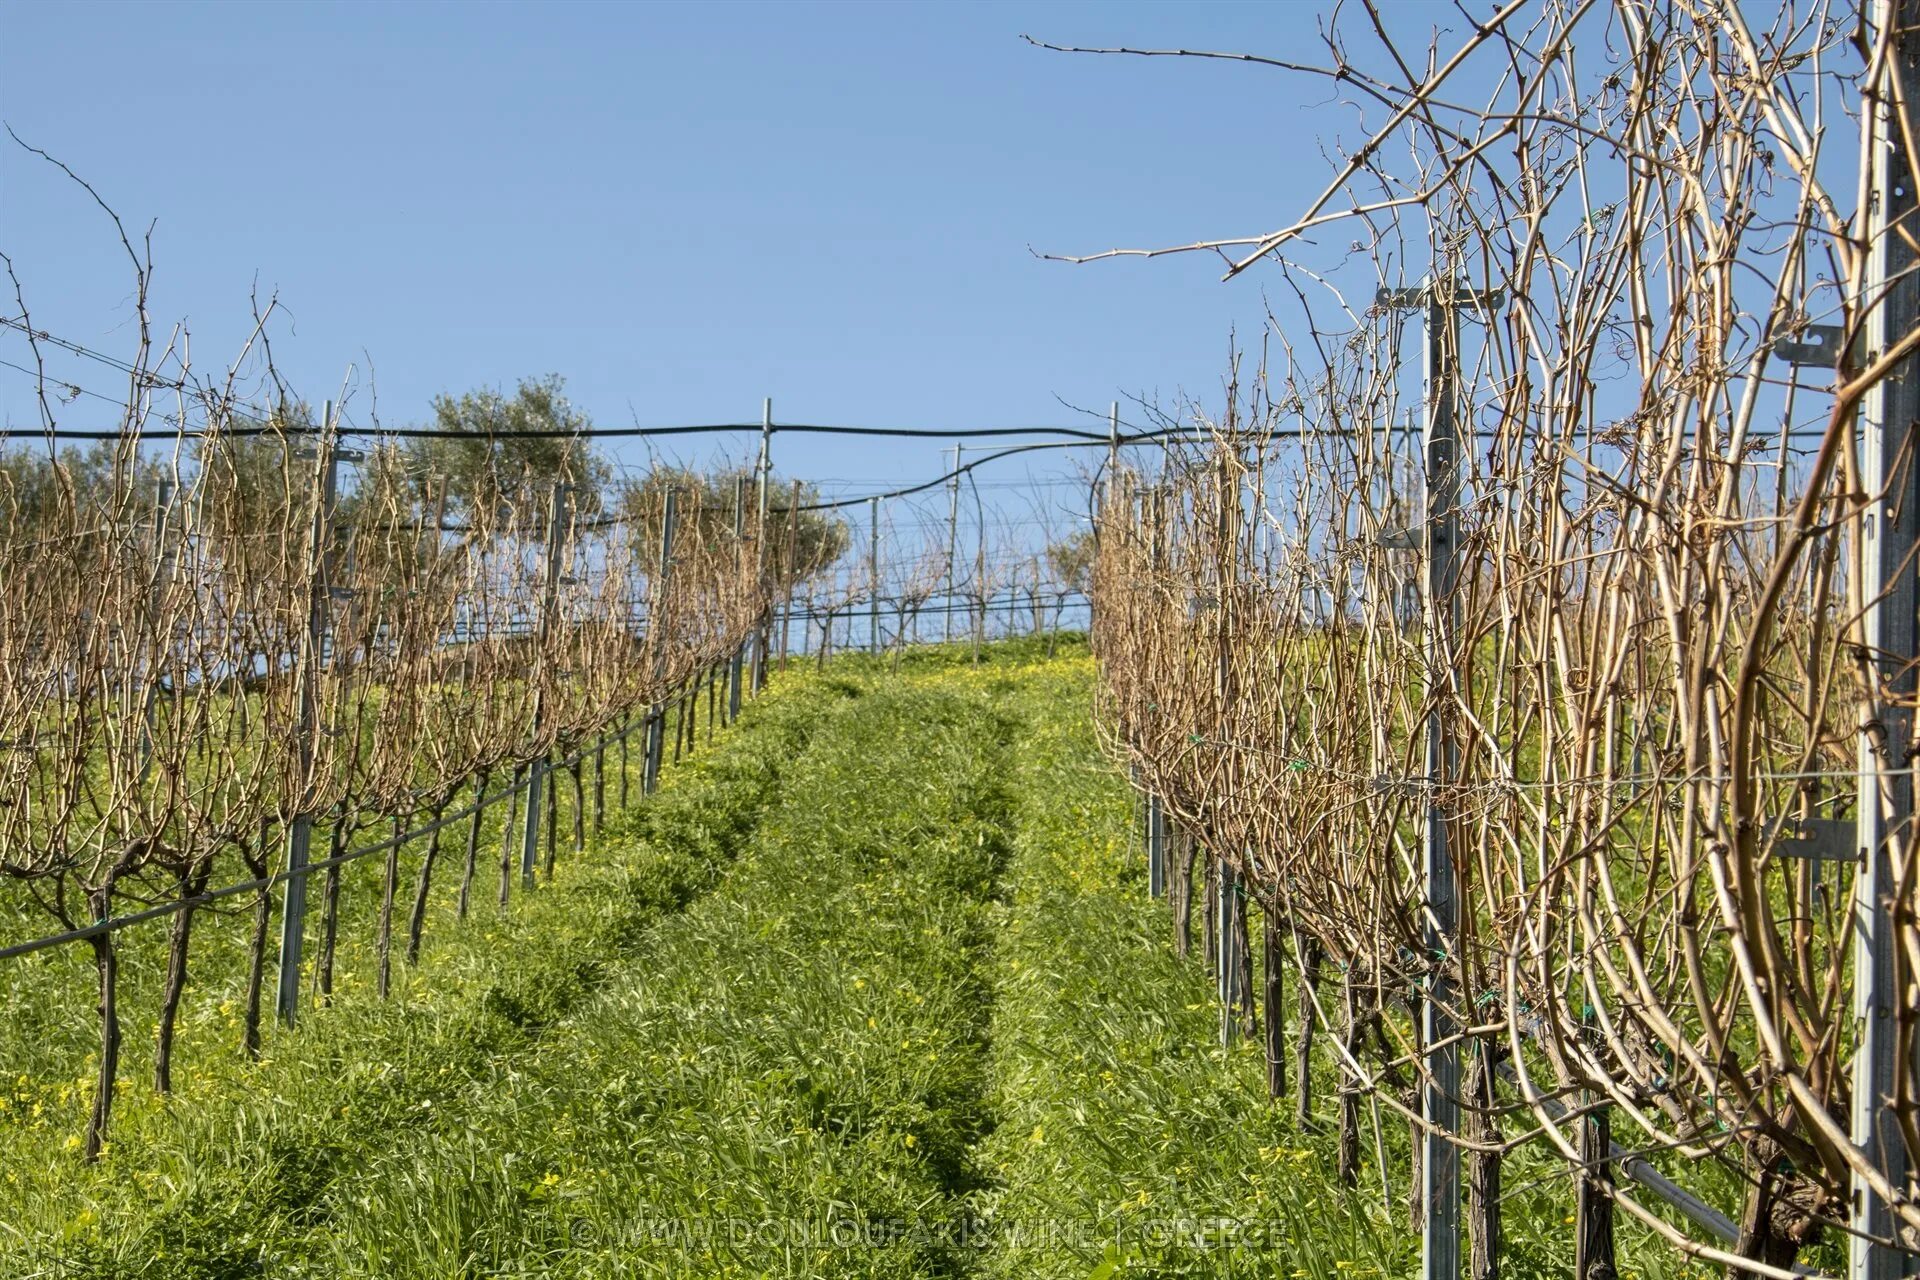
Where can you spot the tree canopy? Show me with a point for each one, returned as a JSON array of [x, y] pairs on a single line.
[[706, 511], [483, 466], [480, 467]]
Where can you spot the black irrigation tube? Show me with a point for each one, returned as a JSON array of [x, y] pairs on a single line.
[[114, 924], [1072, 434], [1163, 436], [1088, 441], [561, 433], [155, 381], [1142, 437], [1076, 439]]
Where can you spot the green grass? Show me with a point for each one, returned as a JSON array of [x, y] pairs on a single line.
[[1126, 1135], [248, 1153], [1129, 1143], [872, 989], [801, 1053], [50, 1035]]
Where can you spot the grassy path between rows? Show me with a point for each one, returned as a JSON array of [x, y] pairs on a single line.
[[1129, 1142], [791, 1071], [872, 990]]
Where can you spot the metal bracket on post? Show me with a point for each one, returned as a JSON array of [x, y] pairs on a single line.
[[1406, 299], [1889, 534], [1816, 839], [293, 915], [1815, 344]]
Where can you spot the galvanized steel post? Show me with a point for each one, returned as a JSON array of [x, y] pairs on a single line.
[[953, 545], [738, 661], [1441, 301], [537, 768], [293, 916], [656, 615], [873, 575], [1890, 531], [1156, 847], [765, 469], [1440, 1096]]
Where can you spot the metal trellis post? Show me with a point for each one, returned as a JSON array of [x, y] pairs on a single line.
[[738, 662], [873, 575], [1593, 1251], [760, 544], [1890, 531], [293, 917], [537, 768], [789, 560], [953, 544], [1440, 1098], [1440, 1089], [656, 615], [1227, 949], [1156, 847], [1107, 512], [163, 566]]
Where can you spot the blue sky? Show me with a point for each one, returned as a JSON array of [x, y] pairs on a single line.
[[679, 208]]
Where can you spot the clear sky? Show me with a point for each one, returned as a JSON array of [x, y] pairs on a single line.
[[679, 208]]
